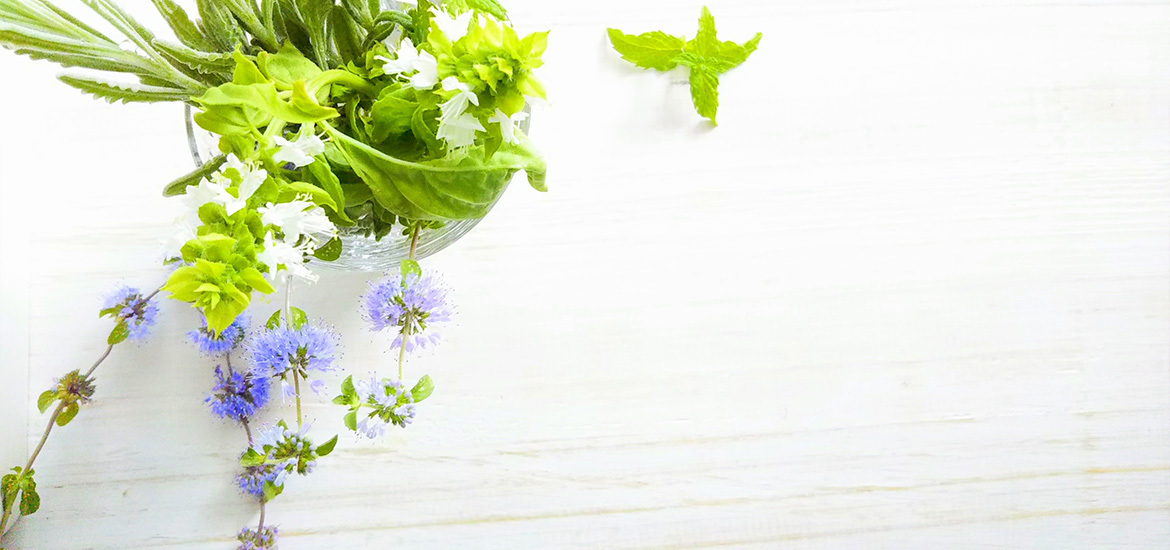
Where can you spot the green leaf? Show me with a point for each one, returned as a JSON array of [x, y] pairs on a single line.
[[179, 186], [9, 487], [219, 25], [652, 50], [411, 266], [347, 388], [272, 490], [321, 174], [184, 29], [114, 92], [251, 458], [327, 447], [256, 280], [390, 115], [208, 63], [67, 414], [273, 321], [299, 318], [491, 7], [287, 66], [119, 334], [46, 399], [442, 189], [351, 421], [705, 92], [705, 42], [330, 251], [30, 502], [422, 389]]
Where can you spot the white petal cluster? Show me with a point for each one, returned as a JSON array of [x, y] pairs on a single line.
[[215, 189], [457, 126], [296, 219], [420, 67], [508, 124], [454, 28], [299, 152]]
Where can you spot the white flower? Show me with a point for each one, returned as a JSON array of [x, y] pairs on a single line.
[[457, 105], [297, 218], [421, 67], [459, 132], [508, 124], [454, 28], [299, 153], [251, 176], [186, 228], [278, 253], [213, 190]]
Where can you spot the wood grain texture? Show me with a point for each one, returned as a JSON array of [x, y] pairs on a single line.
[[913, 292]]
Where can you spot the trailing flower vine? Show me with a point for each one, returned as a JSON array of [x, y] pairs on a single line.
[[134, 316]]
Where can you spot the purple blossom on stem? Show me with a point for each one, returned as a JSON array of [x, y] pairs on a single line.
[[237, 395], [252, 480], [391, 401], [214, 344], [410, 304], [281, 351], [257, 539], [128, 305]]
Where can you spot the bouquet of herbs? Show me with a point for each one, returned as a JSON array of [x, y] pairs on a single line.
[[329, 114]]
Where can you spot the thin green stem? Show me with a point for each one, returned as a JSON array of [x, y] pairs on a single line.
[[28, 465]]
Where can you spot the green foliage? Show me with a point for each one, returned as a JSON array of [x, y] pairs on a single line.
[[114, 92], [491, 7], [491, 58], [180, 185], [422, 389], [46, 399], [706, 56], [327, 447], [68, 413], [329, 251], [652, 50], [442, 189], [299, 318], [119, 334], [411, 266]]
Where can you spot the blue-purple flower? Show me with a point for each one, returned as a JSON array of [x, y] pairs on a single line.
[[279, 352], [263, 538], [253, 479], [218, 344], [237, 395], [129, 306], [410, 304], [391, 402]]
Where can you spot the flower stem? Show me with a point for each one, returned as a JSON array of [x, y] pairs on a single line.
[[28, 465], [414, 240], [288, 323]]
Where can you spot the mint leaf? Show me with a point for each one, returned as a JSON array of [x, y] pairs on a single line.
[[652, 50], [705, 91], [704, 55]]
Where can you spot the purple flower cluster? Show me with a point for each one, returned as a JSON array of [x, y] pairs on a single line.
[[257, 539], [278, 351], [214, 344], [236, 395], [392, 403], [128, 305], [254, 478], [409, 304]]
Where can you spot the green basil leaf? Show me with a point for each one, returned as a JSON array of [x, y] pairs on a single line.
[[422, 389], [442, 189], [652, 50]]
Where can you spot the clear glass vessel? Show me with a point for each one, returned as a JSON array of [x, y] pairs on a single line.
[[359, 252]]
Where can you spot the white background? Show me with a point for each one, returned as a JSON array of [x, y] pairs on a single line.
[[913, 292]]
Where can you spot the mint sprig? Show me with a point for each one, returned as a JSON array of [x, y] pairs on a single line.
[[706, 56]]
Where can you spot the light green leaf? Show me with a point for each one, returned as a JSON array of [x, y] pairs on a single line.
[[327, 447], [184, 29], [347, 388], [411, 266], [218, 64], [47, 398], [287, 66], [119, 334], [114, 92], [652, 50], [299, 318], [273, 321], [422, 389], [442, 189], [705, 92], [351, 421], [179, 186], [251, 458], [67, 414]]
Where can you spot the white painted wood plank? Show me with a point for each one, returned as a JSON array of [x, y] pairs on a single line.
[[912, 293]]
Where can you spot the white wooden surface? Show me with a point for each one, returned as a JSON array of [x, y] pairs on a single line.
[[914, 292]]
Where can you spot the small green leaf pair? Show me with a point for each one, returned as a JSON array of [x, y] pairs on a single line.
[[299, 319], [705, 56], [20, 483]]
